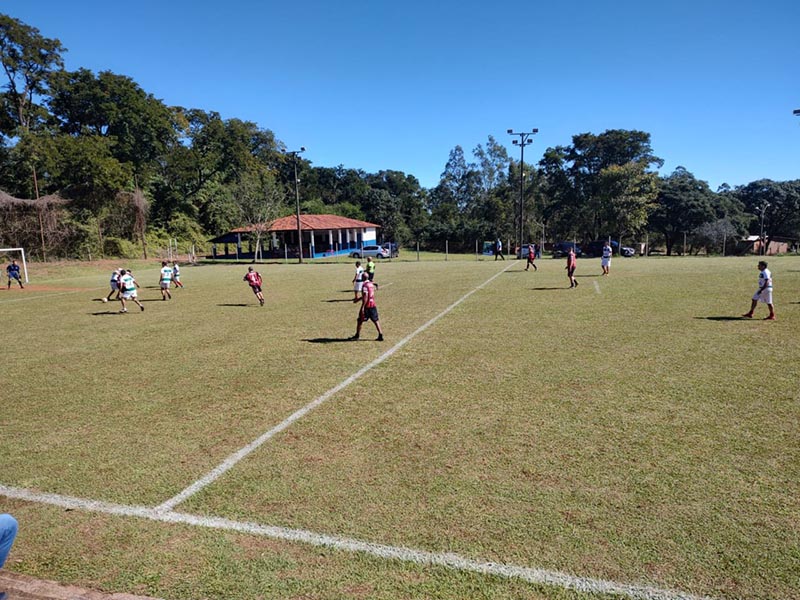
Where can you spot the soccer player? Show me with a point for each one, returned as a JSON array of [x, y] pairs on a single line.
[[368, 310], [164, 280], [763, 294], [128, 285], [12, 271], [253, 279], [176, 274], [572, 264], [605, 261], [114, 283], [531, 258], [498, 249], [357, 281], [370, 268]]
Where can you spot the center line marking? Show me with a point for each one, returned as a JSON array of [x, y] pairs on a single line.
[[596, 286], [237, 456]]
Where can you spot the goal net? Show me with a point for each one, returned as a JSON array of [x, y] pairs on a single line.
[[9, 254]]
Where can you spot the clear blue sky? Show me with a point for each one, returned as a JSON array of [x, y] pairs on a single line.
[[396, 85]]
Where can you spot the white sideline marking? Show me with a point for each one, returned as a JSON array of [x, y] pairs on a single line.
[[420, 557], [237, 456], [50, 295], [596, 286]]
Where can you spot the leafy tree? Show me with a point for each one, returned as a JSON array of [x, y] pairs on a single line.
[[683, 204], [626, 194], [260, 201], [781, 203]]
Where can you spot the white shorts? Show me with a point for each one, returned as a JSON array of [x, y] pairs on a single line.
[[764, 296], [357, 286], [605, 262], [131, 295], [114, 286], [165, 285]]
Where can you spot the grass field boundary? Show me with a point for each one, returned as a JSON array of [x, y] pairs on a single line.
[[4, 301], [408, 555], [240, 454]]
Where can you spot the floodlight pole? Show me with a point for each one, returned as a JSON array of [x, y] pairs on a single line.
[[294, 154], [525, 138], [761, 236]]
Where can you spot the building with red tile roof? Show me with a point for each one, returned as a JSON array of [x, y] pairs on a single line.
[[323, 235]]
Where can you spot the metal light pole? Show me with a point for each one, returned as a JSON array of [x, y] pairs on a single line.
[[525, 138], [294, 154], [761, 236]]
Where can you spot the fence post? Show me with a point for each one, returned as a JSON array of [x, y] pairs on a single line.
[[446, 249], [417, 250], [476, 249]]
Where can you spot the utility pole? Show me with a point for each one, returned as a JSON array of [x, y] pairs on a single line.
[[525, 138], [294, 154]]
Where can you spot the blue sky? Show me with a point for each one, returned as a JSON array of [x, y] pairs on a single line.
[[377, 85]]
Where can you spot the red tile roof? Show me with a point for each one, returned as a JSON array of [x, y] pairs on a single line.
[[313, 223]]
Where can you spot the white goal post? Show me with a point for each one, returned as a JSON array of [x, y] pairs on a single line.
[[22, 252]]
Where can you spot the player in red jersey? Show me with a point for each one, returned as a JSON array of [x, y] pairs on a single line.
[[253, 279], [572, 263], [369, 310]]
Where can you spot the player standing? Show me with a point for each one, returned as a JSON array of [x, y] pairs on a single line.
[[572, 264], [368, 310], [370, 268], [176, 274], [763, 294], [253, 278], [605, 261], [357, 280], [128, 285], [12, 271], [164, 280]]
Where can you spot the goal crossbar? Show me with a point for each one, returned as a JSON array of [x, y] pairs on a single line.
[[24, 262]]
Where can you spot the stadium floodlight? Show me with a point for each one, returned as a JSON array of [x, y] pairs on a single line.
[[294, 154], [22, 253], [525, 138]]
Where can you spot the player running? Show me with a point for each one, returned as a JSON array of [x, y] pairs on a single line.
[[531, 258], [368, 310], [114, 283], [253, 278], [572, 264], [12, 271], [164, 280], [763, 294], [128, 285]]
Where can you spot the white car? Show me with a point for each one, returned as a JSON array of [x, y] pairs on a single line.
[[373, 251]]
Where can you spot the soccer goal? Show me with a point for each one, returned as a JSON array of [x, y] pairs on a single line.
[[12, 254]]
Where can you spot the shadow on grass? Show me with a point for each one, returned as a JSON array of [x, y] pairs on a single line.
[[328, 340], [239, 305], [106, 312], [725, 318], [598, 275], [545, 289], [339, 300]]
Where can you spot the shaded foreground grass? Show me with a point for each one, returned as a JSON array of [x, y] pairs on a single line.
[[626, 431]]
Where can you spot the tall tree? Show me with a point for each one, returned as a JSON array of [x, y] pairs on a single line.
[[683, 204], [778, 201]]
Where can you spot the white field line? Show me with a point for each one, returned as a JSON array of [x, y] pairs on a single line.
[[237, 456], [409, 555], [51, 295], [596, 286]]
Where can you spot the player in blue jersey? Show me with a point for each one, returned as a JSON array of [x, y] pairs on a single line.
[[12, 271]]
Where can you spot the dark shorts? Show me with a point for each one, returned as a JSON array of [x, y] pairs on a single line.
[[370, 314], [256, 289], [370, 275], [570, 272], [14, 276]]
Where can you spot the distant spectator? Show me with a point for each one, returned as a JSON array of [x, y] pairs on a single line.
[[605, 261]]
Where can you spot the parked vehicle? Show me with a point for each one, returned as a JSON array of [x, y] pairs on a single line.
[[596, 249], [373, 251], [394, 250], [561, 249]]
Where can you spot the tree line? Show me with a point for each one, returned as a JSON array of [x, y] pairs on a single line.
[[91, 164]]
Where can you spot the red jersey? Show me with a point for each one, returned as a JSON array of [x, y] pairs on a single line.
[[253, 278], [368, 290], [571, 262]]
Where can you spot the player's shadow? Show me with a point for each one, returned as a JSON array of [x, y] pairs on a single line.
[[106, 312], [724, 318], [547, 289], [339, 300], [327, 340], [238, 305], [150, 300], [596, 275]]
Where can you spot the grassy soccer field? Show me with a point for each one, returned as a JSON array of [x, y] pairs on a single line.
[[632, 431]]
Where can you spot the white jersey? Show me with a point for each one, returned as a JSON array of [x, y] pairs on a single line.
[[607, 251], [765, 279], [166, 274], [115, 277]]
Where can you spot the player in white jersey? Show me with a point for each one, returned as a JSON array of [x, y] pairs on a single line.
[[164, 280], [357, 283], [763, 294], [114, 283], [128, 285], [605, 261], [176, 275]]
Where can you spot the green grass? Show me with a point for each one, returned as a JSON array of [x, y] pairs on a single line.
[[631, 431]]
